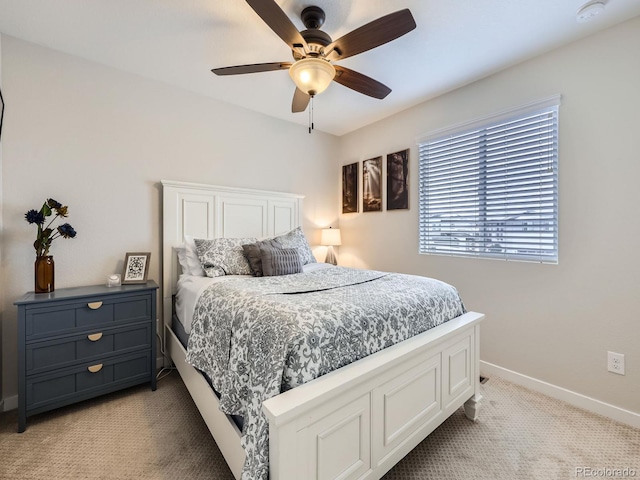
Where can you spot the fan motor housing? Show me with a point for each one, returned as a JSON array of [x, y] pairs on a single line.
[[313, 18]]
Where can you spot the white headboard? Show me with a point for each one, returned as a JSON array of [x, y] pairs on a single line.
[[212, 211]]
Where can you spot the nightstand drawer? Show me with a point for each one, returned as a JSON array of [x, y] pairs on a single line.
[[64, 352], [86, 381], [95, 312]]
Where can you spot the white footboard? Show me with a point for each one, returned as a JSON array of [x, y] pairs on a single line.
[[359, 421]]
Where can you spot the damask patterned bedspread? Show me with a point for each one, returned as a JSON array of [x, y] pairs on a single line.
[[258, 337]]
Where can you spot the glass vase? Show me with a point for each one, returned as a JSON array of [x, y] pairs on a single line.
[[44, 274]]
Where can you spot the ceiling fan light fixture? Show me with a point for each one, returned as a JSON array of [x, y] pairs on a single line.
[[312, 75]]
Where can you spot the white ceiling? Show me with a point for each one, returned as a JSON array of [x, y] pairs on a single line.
[[178, 42]]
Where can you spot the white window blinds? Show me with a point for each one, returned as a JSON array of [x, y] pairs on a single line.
[[491, 189]]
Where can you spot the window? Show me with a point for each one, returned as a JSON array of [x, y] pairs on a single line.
[[490, 188]]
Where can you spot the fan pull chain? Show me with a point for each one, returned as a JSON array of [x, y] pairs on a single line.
[[311, 115]]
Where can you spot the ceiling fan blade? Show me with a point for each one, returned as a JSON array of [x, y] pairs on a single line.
[[277, 20], [252, 68], [300, 101], [371, 35], [360, 83]]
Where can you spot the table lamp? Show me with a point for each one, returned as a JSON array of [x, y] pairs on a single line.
[[331, 237]]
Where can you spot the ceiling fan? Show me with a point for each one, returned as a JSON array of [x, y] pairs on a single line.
[[313, 51]]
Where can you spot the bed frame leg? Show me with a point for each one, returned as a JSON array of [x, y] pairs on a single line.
[[472, 407]]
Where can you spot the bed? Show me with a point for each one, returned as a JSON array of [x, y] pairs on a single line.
[[354, 422]]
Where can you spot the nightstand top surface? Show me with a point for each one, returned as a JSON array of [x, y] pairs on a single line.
[[76, 292]]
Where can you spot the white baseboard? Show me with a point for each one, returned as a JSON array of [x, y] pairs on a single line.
[[576, 399], [10, 403], [488, 369]]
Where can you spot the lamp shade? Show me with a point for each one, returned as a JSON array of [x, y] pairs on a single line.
[[330, 237], [312, 75]]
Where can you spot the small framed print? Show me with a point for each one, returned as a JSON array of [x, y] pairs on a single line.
[[136, 267], [350, 188], [1, 112], [371, 185], [398, 180]]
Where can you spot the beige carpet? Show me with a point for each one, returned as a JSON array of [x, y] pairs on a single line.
[[139, 434]]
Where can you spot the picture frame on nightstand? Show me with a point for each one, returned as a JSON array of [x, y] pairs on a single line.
[[136, 267]]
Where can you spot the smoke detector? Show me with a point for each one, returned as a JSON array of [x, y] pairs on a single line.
[[589, 11]]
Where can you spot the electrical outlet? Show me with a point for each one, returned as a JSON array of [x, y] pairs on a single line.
[[615, 362]]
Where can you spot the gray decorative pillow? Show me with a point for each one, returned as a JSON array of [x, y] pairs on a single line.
[[223, 256], [296, 239], [252, 253], [280, 261]]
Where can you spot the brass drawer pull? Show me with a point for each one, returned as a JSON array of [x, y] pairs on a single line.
[[94, 305], [94, 337], [95, 368]]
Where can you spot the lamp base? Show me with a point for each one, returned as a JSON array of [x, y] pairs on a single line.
[[331, 256]]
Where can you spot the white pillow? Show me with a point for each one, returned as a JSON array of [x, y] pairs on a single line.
[[190, 263], [182, 259]]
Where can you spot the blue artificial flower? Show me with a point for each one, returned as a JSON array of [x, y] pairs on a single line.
[[66, 230], [34, 216], [47, 234]]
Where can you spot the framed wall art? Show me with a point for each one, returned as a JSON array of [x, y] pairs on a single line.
[[1, 113], [350, 188], [136, 267], [398, 180], [371, 185]]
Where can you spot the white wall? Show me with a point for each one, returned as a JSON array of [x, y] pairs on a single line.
[[99, 140], [1, 235], [554, 323]]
